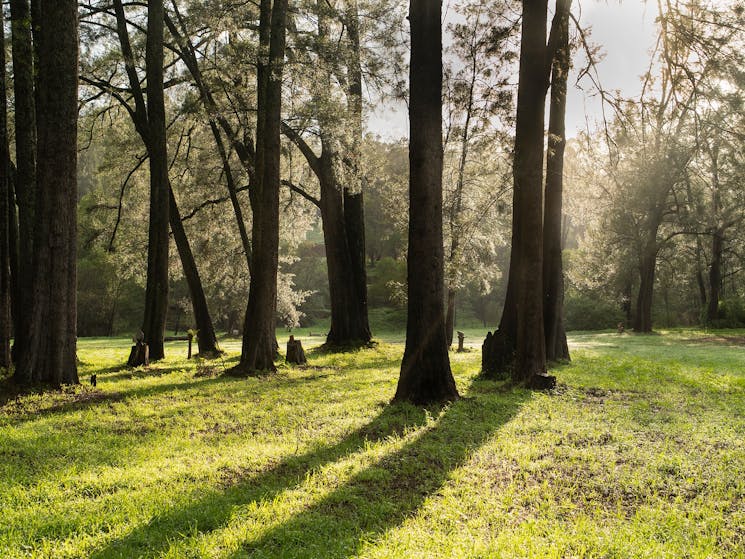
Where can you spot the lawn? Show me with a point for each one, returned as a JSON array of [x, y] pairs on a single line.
[[638, 453]]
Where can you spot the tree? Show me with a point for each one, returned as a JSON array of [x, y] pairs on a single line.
[[519, 343], [259, 341], [5, 209], [553, 272], [25, 178], [425, 369], [151, 127], [156, 291], [337, 167], [51, 352]]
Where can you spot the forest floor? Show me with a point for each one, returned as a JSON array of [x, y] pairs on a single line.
[[639, 452]]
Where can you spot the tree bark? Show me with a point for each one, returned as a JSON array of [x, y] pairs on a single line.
[[647, 265], [50, 356], [354, 205], [25, 179], [425, 369], [715, 275], [156, 288], [259, 340], [342, 206], [5, 288], [206, 338], [553, 271], [347, 327], [528, 176], [15, 304]]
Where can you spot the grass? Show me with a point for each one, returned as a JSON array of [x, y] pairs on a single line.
[[638, 453]]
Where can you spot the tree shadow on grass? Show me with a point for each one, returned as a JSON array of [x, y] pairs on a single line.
[[212, 510], [382, 496], [64, 402], [373, 501]]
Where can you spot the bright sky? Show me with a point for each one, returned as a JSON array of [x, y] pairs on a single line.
[[625, 31]]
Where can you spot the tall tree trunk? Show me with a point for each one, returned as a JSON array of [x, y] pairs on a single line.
[[341, 287], [354, 205], [528, 176], [715, 275], [50, 356], [156, 290], [425, 369], [5, 316], [25, 180], [717, 239], [700, 274], [647, 265], [15, 305], [206, 338], [553, 271], [259, 340]]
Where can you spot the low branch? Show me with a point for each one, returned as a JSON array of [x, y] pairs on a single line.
[[304, 193]]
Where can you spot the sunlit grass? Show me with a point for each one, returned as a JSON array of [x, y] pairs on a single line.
[[638, 453]]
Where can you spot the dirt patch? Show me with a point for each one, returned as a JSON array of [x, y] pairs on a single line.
[[717, 340]]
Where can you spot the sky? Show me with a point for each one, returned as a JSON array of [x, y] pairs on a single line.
[[625, 32]]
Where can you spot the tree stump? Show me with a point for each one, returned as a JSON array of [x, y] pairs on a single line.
[[295, 353], [139, 355], [461, 337]]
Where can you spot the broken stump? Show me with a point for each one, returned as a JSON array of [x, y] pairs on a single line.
[[461, 337], [295, 353], [139, 355]]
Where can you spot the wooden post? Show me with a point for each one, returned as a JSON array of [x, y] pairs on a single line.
[[191, 337], [461, 336]]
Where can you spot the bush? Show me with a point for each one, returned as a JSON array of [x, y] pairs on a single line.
[[731, 314], [585, 311]]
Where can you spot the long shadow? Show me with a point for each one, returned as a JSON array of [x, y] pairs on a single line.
[[82, 400], [373, 501], [212, 509], [385, 494]]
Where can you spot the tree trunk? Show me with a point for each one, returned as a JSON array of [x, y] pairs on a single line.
[[206, 334], [5, 359], [425, 369], [346, 327], [259, 341], [449, 315], [25, 180], [156, 290], [206, 339], [715, 276], [51, 354], [528, 177], [647, 265], [15, 305], [553, 271], [700, 274], [354, 204]]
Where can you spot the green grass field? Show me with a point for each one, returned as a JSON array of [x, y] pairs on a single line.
[[638, 453]]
